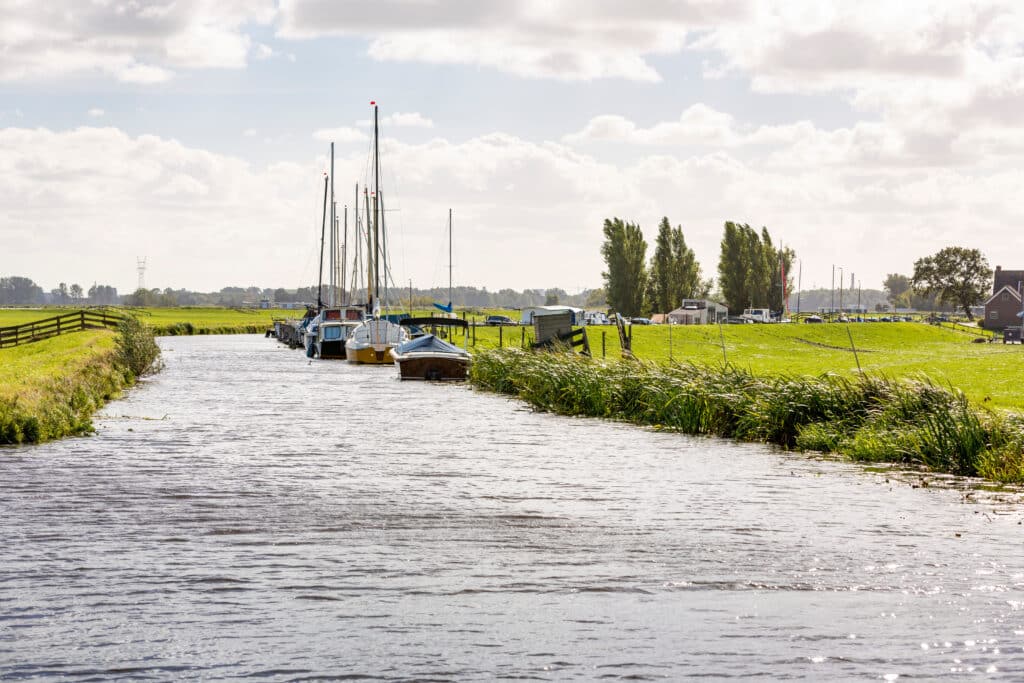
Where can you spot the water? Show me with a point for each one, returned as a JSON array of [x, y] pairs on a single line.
[[226, 524]]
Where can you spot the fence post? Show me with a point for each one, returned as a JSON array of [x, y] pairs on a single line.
[[58, 325], [604, 336], [501, 336], [522, 341]]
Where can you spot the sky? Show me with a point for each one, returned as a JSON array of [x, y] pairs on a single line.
[[195, 134]]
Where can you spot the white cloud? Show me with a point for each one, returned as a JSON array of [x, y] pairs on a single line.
[[216, 219], [249, 132], [262, 51], [562, 39], [96, 112], [131, 41], [341, 135]]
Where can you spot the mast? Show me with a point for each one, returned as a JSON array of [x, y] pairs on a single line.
[[369, 255], [323, 226], [344, 255], [334, 234], [376, 204], [449, 258]]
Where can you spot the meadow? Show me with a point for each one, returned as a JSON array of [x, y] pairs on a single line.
[[172, 321]]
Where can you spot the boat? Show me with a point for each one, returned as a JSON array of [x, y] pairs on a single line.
[[371, 341], [429, 357], [334, 328]]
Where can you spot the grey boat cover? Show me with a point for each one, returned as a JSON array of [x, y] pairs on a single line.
[[430, 344]]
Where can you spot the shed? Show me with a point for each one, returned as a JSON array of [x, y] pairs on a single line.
[[1001, 309]]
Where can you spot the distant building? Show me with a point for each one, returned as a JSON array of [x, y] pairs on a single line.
[[698, 312], [1006, 278], [1002, 308]]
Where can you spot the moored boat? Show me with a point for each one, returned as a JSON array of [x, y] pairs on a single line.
[[429, 357], [371, 341]]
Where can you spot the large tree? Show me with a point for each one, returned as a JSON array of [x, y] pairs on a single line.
[[624, 251], [19, 291], [954, 274], [897, 288], [674, 272], [751, 269]]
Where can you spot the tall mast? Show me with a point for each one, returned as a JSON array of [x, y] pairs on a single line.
[[323, 225], [369, 255], [449, 258], [376, 204], [334, 234], [344, 256]]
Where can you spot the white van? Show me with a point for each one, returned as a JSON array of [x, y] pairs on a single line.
[[757, 315]]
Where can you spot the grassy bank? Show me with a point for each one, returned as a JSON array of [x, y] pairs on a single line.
[[988, 374], [172, 321], [50, 389], [866, 418]]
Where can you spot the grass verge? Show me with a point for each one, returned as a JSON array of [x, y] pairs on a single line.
[[867, 418], [51, 389]]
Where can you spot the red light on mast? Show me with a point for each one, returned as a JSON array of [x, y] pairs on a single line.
[[373, 103]]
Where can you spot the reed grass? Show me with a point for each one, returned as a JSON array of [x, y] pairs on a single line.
[[868, 417]]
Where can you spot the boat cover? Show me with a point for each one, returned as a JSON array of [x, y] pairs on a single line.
[[429, 343]]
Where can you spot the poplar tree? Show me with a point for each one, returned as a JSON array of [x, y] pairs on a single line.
[[624, 251], [674, 272], [750, 269]]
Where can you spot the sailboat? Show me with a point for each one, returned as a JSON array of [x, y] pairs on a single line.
[[429, 357], [372, 340], [327, 333]]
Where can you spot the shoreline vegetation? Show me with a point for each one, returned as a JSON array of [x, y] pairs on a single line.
[[51, 388], [867, 418]]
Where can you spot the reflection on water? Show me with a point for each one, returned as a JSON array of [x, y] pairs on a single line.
[[251, 514]]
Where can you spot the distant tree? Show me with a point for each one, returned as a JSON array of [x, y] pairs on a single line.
[[75, 291], [625, 279], [897, 287], [750, 269], [595, 298], [19, 291], [551, 298], [674, 271], [954, 274]]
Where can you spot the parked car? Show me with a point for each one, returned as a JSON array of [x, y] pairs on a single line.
[[499, 320], [813, 319], [639, 321]]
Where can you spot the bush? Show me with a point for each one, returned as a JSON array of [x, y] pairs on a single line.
[[137, 350]]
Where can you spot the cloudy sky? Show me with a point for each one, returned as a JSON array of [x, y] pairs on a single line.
[[195, 133]]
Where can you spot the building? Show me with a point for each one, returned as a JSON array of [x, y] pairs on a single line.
[[1002, 308], [698, 312]]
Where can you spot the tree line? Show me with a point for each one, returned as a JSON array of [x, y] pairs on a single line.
[[752, 271]]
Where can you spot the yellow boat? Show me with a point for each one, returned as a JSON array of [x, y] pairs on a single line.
[[372, 341]]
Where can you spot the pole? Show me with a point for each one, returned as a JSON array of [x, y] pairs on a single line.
[[323, 225], [832, 301], [334, 233], [344, 263], [449, 258], [840, 292], [369, 256], [799, 285], [376, 205]]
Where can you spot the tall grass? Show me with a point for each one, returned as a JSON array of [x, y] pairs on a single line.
[[872, 418]]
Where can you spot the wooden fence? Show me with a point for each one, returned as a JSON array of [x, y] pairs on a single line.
[[38, 330]]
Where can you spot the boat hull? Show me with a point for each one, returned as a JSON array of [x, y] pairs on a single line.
[[332, 349], [434, 368], [377, 354]]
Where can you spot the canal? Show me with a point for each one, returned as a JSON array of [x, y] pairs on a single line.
[[251, 514]]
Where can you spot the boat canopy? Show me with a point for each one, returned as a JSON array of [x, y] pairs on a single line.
[[428, 343]]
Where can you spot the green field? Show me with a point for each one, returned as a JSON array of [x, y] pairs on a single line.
[[989, 374], [172, 320]]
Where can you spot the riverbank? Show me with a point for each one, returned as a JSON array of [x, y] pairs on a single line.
[[868, 418], [51, 388], [169, 322]]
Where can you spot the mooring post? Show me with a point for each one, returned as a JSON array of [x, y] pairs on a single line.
[[474, 330], [604, 337], [501, 336], [522, 343]]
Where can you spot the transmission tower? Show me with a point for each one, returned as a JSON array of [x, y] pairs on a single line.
[[141, 267]]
